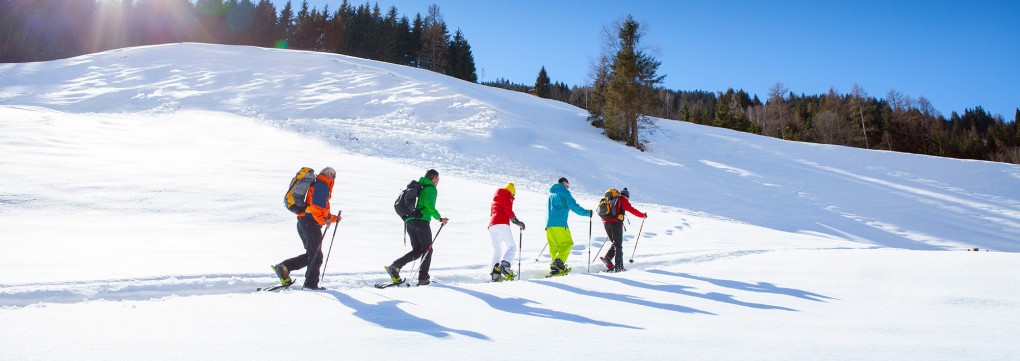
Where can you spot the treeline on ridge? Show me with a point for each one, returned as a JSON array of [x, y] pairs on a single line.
[[896, 122], [40, 30]]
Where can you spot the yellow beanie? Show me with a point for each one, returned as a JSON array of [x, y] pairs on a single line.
[[510, 187]]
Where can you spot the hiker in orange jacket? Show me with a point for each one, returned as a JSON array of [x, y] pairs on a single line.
[[309, 227]]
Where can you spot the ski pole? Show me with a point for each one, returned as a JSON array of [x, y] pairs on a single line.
[[328, 252], [637, 240], [519, 248], [542, 251]]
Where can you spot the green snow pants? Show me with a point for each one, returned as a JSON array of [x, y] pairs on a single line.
[[560, 243]]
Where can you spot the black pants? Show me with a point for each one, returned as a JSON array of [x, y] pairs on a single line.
[[615, 232], [311, 238], [421, 244]]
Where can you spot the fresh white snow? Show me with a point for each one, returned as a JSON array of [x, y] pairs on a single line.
[[140, 207]]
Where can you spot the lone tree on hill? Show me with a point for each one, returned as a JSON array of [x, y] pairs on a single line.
[[543, 86], [627, 82]]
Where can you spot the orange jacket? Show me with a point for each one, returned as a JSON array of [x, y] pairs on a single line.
[[318, 200]]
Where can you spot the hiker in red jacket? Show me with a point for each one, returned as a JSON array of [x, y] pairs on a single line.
[[502, 214], [612, 220]]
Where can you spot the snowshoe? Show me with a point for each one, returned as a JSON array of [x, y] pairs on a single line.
[[607, 262], [507, 271], [496, 275]]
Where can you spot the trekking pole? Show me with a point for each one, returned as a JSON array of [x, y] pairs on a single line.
[[600, 249], [434, 239], [520, 247], [315, 257], [637, 240], [589, 241], [326, 263], [541, 252]]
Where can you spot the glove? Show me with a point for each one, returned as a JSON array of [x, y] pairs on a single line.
[[646, 215], [590, 213], [517, 222]]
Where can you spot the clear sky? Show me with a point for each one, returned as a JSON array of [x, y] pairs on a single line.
[[958, 54]]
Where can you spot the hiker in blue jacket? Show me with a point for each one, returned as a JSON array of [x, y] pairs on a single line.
[[557, 232]]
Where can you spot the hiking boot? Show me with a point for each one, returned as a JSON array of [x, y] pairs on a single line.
[[558, 265], [394, 274], [507, 270], [618, 269], [423, 282], [496, 274], [313, 288], [283, 274]]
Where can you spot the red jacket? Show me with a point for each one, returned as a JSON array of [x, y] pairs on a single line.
[[624, 205], [502, 207]]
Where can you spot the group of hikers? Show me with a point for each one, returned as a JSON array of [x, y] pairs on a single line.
[[316, 214]]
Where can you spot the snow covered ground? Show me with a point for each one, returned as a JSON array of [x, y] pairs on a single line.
[[140, 206]]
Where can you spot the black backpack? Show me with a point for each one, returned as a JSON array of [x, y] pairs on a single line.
[[609, 207], [407, 202]]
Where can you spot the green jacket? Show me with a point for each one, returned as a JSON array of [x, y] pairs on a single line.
[[427, 201]]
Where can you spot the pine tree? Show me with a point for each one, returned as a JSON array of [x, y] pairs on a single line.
[[434, 41], [631, 90], [461, 63], [285, 26], [543, 86]]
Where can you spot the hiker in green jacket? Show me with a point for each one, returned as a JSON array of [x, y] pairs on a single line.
[[419, 230]]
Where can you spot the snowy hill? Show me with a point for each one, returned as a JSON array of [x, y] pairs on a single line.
[[140, 195]]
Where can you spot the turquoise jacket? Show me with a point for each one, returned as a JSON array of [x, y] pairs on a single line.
[[427, 201], [560, 205]]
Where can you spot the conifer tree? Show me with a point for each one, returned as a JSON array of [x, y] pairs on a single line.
[[461, 63], [543, 86], [630, 94]]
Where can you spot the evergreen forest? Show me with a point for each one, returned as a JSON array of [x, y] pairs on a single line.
[[40, 30]]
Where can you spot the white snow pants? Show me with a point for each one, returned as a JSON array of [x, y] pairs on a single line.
[[502, 236]]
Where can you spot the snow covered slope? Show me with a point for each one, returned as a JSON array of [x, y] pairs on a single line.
[[140, 195]]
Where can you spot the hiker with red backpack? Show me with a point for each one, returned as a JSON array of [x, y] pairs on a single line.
[[311, 217], [612, 210], [501, 215]]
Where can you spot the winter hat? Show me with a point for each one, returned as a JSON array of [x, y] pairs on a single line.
[[625, 192], [510, 187]]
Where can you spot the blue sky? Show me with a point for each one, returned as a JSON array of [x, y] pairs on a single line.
[[958, 54]]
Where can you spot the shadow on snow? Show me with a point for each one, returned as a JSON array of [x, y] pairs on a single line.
[[388, 315], [520, 306]]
